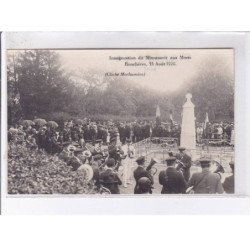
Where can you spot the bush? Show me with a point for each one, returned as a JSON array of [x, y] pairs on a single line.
[[33, 172]]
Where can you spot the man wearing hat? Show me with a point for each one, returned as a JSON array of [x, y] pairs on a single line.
[[128, 130], [139, 172], [109, 178], [184, 163], [95, 164], [206, 182], [98, 146], [172, 180], [122, 132], [128, 150], [228, 184], [115, 151]]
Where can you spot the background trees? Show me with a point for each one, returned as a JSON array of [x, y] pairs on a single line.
[[37, 82], [39, 86]]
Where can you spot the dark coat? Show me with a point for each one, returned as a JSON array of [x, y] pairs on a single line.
[[172, 181], [206, 183], [122, 132], [41, 140], [141, 172], [110, 180], [187, 162], [113, 153], [96, 173], [228, 185], [55, 146], [128, 131], [66, 135]]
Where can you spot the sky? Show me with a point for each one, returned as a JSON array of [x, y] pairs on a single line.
[[164, 77]]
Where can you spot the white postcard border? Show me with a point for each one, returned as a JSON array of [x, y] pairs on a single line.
[[69, 204]]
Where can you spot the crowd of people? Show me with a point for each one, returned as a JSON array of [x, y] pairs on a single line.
[[215, 131], [176, 178], [52, 137], [105, 152]]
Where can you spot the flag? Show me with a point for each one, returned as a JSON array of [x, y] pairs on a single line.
[[205, 125], [171, 117], [158, 112], [158, 115], [206, 118]]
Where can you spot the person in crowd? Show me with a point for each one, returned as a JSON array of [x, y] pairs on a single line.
[[73, 161], [122, 133], [60, 139], [128, 162], [81, 141], [93, 133], [205, 182], [109, 178], [96, 164], [31, 142], [56, 148], [137, 132], [115, 151], [41, 139], [199, 132], [66, 134], [144, 186], [140, 171], [172, 181], [128, 130], [228, 184], [184, 162], [219, 132], [207, 131], [147, 130]]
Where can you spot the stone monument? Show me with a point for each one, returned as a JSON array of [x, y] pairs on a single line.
[[188, 137]]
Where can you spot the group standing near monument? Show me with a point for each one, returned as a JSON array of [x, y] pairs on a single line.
[[110, 154]]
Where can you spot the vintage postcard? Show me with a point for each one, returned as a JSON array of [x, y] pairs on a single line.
[[120, 121]]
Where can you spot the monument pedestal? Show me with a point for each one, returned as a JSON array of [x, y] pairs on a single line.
[[188, 133]]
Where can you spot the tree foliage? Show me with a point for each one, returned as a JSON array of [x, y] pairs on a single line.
[[212, 88], [38, 82]]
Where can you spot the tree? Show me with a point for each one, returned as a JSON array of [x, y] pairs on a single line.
[[40, 81], [213, 90], [38, 86]]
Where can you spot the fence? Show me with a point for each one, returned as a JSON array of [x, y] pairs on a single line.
[[215, 144], [159, 147], [156, 147]]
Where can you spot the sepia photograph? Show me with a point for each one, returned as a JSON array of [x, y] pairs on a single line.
[[121, 122]]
